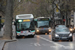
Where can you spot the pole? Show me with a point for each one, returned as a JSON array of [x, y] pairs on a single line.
[[74, 19], [53, 15], [0, 23]]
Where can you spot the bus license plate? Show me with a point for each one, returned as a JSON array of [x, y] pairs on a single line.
[[24, 31]]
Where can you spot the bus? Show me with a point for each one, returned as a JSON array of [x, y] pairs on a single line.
[[25, 25], [42, 25]]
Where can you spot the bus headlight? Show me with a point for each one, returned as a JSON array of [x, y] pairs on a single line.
[[37, 30], [33, 32], [17, 33], [74, 27], [49, 30]]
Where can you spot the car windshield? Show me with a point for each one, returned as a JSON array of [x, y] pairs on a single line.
[[43, 24], [25, 25], [61, 30]]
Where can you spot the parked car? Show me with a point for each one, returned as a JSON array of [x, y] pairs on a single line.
[[62, 34]]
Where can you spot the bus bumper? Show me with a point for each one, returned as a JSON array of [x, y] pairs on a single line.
[[28, 34]]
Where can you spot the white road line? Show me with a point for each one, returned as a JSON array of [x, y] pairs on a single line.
[[65, 47], [49, 41], [37, 44]]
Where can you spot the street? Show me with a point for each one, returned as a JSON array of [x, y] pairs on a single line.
[[40, 42], [50, 24]]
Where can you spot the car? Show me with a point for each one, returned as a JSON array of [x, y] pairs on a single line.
[[62, 34]]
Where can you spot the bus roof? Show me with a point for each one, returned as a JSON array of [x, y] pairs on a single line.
[[24, 16], [42, 17], [45, 18]]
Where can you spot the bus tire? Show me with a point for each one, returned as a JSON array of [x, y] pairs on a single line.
[[48, 33], [32, 36], [17, 37]]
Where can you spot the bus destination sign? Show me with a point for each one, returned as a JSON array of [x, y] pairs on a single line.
[[43, 19]]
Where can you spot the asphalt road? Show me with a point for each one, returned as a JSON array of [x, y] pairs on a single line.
[[40, 42]]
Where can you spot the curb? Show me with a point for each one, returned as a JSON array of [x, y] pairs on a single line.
[[6, 41], [2, 44]]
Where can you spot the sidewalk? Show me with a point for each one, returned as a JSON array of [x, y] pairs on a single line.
[[1, 41], [1, 44], [1, 34]]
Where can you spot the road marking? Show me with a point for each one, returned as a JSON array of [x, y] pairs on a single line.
[[65, 47], [37, 44], [48, 40]]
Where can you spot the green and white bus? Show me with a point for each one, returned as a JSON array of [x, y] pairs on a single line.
[[42, 25], [25, 25]]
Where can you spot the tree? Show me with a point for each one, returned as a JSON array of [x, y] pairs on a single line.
[[35, 7], [8, 20]]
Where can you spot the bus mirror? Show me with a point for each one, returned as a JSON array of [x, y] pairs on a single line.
[[14, 23]]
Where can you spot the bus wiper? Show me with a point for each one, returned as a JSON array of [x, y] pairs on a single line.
[[44, 26], [27, 28]]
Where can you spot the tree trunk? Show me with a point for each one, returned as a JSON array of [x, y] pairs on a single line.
[[8, 20]]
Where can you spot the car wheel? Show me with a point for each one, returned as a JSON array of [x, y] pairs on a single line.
[[71, 39], [53, 39]]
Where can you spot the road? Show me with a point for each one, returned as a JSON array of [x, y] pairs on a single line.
[[40, 42]]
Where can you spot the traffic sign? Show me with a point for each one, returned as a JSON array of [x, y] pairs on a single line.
[[64, 20]]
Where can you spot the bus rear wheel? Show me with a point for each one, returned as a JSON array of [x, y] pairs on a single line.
[[48, 33]]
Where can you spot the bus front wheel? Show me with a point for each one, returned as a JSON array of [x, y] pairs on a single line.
[[17, 37], [32, 36]]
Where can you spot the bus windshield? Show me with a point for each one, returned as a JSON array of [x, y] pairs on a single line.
[[25, 25], [41, 24]]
